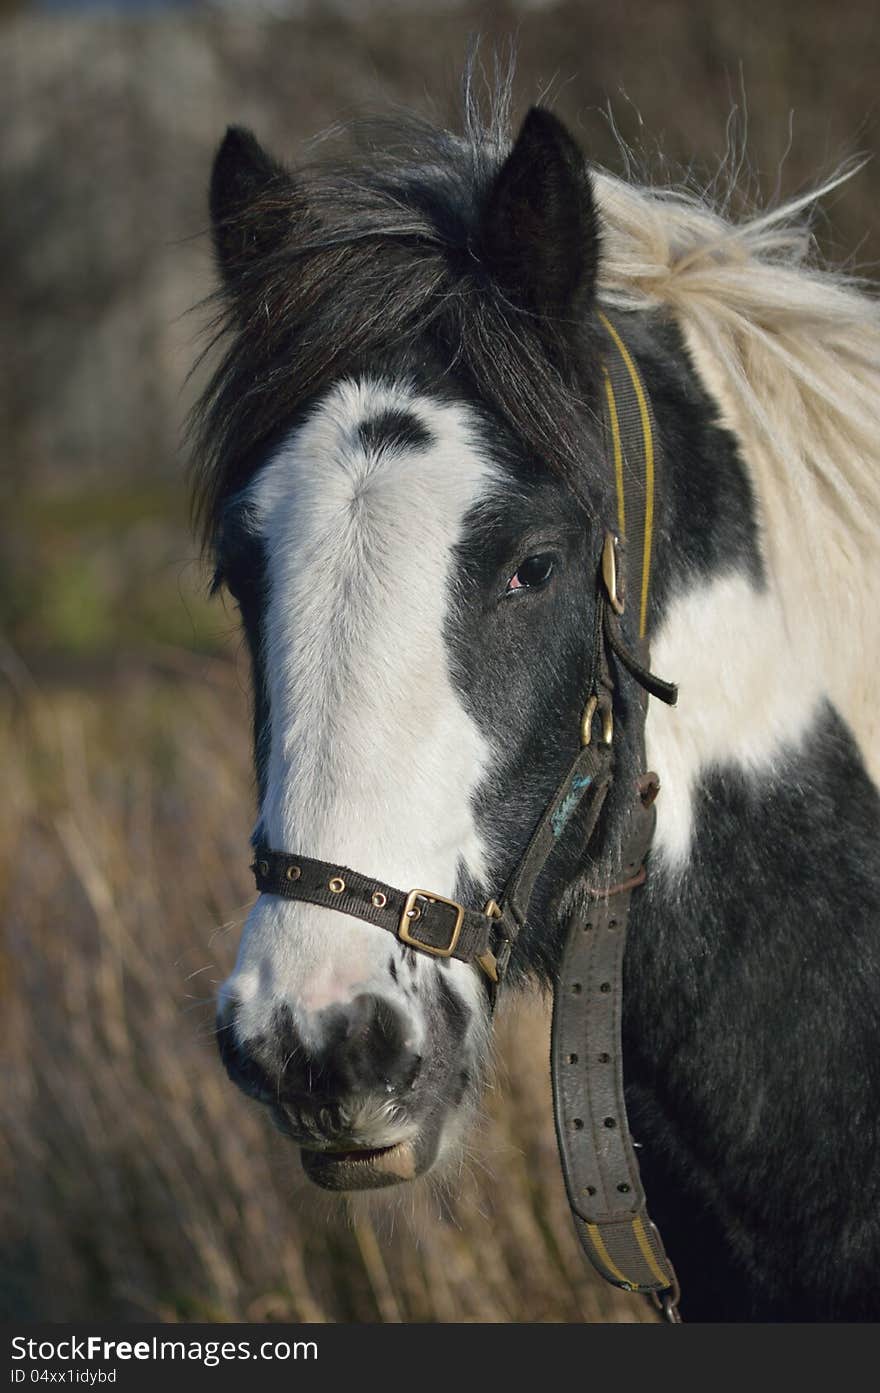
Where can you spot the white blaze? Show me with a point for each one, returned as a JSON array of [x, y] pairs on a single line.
[[373, 760]]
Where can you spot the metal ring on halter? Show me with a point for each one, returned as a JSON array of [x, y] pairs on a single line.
[[587, 721]]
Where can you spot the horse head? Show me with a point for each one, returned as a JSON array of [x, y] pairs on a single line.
[[405, 499]]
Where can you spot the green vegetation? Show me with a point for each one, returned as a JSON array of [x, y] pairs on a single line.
[[101, 571]]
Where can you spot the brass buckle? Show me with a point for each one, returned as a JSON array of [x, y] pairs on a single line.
[[609, 572], [403, 932], [493, 965]]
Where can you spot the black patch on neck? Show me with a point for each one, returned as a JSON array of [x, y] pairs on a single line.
[[752, 1040], [394, 430]]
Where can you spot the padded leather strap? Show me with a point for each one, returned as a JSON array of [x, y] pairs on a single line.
[[599, 1163], [631, 444], [598, 1160]]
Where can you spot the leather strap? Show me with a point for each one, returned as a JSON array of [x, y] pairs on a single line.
[[430, 922], [599, 1163], [598, 1158], [631, 443], [588, 778]]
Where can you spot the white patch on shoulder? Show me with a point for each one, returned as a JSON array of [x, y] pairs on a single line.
[[753, 665], [749, 687], [373, 759]]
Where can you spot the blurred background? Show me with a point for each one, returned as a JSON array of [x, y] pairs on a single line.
[[135, 1182]]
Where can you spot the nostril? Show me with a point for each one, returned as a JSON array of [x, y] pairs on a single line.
[[241, 1064], [267, 1066], [358, 1049], [366, 1046]]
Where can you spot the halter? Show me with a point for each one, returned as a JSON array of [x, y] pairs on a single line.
[[599, 1164]]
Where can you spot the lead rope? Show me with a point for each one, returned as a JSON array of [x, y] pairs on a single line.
[[597, 1153]]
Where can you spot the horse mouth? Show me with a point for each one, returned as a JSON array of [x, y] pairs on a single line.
[[363, 1169]]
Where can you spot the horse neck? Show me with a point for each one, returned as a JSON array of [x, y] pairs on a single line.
[[752, 953]]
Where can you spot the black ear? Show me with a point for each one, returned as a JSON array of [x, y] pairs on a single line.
[[252, 203], [540, 234]]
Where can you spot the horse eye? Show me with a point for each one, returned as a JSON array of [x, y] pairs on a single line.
[[534, 571]]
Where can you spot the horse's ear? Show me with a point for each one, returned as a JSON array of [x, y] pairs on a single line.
[[252, 203], [540, 235]]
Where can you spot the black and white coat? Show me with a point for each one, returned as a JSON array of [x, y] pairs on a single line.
[[403, 485]]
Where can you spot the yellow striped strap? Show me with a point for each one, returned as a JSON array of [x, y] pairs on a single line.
[[631, 430], [629, 1254]]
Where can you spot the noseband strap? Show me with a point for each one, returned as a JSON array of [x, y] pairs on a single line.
[[599, 1163], [419, 918], [429, 922]]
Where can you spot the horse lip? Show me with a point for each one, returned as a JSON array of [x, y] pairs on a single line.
[[362, 1168]]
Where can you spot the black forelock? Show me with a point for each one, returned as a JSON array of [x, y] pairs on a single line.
[[393, 430], [381, 257]]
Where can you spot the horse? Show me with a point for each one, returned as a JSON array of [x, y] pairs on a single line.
[[402, 480]]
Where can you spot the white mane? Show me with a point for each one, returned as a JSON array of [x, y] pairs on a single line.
[[791, 353]]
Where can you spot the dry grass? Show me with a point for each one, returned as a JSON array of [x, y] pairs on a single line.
[[136, 1182], [139, 1183]]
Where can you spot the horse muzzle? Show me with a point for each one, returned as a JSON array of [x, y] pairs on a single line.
[[354, 1107], [375, 1168]]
